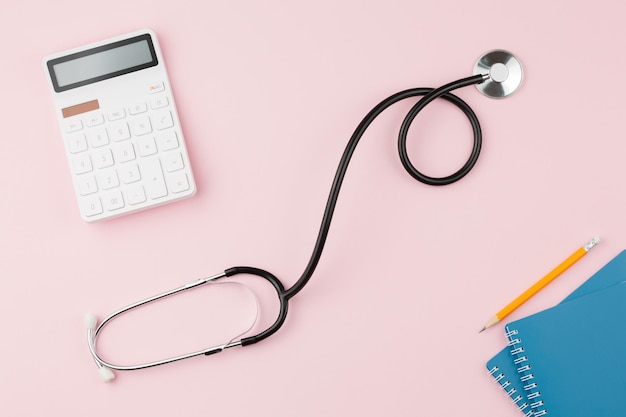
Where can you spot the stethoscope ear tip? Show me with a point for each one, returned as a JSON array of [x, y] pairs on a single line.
[[503, 73], [90, 321], [106, 375]]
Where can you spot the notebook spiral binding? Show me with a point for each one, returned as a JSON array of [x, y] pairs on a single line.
[[533, 395], [518, 398]]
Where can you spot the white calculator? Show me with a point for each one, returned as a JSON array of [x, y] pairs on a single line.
[[118, 119]]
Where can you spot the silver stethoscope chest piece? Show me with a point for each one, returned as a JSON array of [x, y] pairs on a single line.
[[504, 71]]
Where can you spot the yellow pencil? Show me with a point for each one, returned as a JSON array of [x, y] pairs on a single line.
[[571, 260]]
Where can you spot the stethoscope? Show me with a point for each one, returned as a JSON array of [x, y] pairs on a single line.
[[497, 74]]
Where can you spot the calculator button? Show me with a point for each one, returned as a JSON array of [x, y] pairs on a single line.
[[73, 126], [141, 126], [162, 120], [156, 88], [117, 115], [136, 195], [125, 152], [103, 158], [178, 182], [77, 143], [147, 146], [138, 108], [173, 162], [108, 179], [119, 131], [113, 200], [87, 185], [98, 138], [91, 206], [159, 102], [94, 120], [82, 164], [129, 173], [153, 179], [167, 141]]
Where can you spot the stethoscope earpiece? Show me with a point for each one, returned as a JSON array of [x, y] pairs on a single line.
[[91, 321], [106, 375], [503, 73]]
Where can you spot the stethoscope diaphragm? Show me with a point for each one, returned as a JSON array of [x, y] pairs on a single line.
[[504, 71]]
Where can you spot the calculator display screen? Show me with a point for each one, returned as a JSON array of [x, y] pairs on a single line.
[[101, 63]]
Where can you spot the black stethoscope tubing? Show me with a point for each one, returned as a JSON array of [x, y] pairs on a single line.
[[429, 94], [285, 295]]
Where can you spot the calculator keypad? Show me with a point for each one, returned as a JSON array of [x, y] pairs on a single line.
[[127, 158]]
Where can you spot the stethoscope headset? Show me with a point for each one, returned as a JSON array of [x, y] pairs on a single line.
[[496, 74]]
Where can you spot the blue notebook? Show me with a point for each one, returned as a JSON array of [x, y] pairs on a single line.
[[502, 367], [573, 356]]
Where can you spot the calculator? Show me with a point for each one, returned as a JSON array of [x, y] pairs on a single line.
[[122, 135]]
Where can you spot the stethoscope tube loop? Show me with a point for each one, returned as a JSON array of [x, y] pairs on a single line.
[[280, 291], [429, 96]]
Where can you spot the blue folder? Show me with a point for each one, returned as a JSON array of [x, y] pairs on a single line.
[[502, 366], [572, 356]]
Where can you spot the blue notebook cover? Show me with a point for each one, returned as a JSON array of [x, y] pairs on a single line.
[[502, 367], [573, 355]]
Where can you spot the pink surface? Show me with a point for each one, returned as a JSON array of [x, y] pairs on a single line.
[[269, 93]]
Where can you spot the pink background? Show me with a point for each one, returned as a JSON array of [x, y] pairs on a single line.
[[269, 93]]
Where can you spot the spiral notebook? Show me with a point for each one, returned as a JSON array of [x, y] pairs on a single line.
[[572, 356], [502, 366]]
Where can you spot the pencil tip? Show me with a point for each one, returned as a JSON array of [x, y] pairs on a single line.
[[482, 330]]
